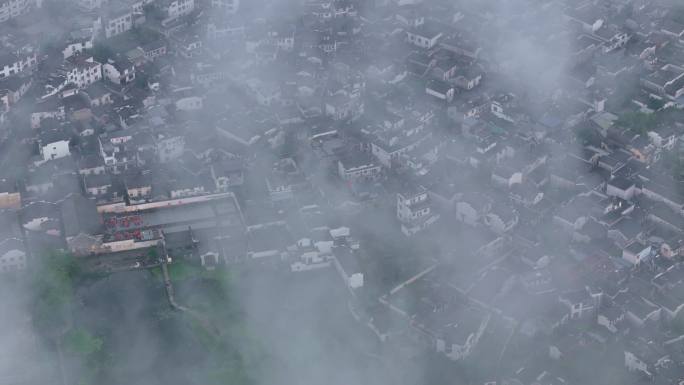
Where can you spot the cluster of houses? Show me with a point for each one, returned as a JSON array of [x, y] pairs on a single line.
[[567, 211], [124, 149], [226, 137]]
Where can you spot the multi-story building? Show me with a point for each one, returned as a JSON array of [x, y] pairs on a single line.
[[90, 5], [12, 64], [414, 210], [229, 6], [82, 70], [178, 8], [78, 42], [10, 9], [116, 21]]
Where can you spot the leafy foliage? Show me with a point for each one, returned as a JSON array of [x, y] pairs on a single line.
[[638, 122], [102, 52], [82, 343], [53, 281]]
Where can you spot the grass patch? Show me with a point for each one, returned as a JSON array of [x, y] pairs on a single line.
[[180, 271]]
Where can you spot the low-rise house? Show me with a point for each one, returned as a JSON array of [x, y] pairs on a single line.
[[468, 78], [97, 185], [611, 317], [458, 339], [13, 89], [461, 45], [501, 218], [186, 184], [644, 357], [440, 89], [48, 108], [665, 139], [445, 67], [10, 196], [347, 265], [579, 210], [358, 166], [638, 311], [54, 144], [625, 231], [98, 94], [119, 71], [440, 319], [269, 240], [527, 194], [80, 219], [91, 164], [187, 43], [219, 28], [666, 81], [313, 255], [343, 105], [169, 146], [569, 218], [506, 175], [40, 180], [138, 185], [13, 255], [660, 193], [636, 253], [189, 102], [12, 248], [425, 35], [266, 93], [579, 303], [472, 207], [538, 282], [41, 216], [89, 5], [283, 37], [227, 174], [285, 178], [389, 145], [154, 49], [621, 187], [664, 217], [613, 37], [589, 16]]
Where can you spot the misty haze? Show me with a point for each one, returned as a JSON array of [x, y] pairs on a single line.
[[341, 192]]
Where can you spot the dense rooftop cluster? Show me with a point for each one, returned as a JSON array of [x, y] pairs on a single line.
[[539, 148]]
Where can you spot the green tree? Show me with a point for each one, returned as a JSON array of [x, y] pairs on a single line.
[[53, 280], [585, 134], [82, 343], [102, 52], [639, 122]]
